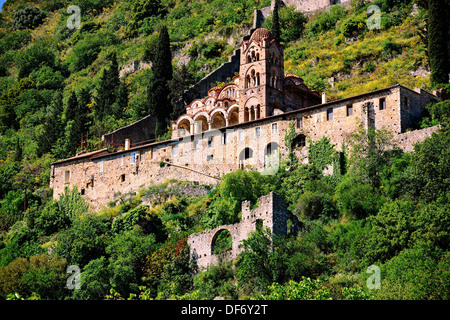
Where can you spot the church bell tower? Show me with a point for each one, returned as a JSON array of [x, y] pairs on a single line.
[[261, 76]]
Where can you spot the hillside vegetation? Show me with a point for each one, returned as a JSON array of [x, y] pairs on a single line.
[[380, 208]]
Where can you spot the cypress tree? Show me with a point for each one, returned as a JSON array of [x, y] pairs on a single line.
[[107, 91], [84, 99], [72, 106], [158, 99], [276, 33], [437, 41], [53, 126]]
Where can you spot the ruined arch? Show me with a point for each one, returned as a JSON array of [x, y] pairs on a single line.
[[221, 242]]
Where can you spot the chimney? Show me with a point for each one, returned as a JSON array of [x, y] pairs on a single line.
[[324, 97], [127, 144]]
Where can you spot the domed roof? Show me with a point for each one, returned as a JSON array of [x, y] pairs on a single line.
[[261, 34]]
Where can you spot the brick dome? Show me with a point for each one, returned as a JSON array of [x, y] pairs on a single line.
[[261, 34]]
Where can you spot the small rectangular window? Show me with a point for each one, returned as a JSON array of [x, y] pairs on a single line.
[[175, 150], [196, 144], [274, 128], [382, 103], [258, 132], [67, 176], [299, 122], [210, 141], [349, 110], [224, 138], [122, 178], [241, 135], [330, 114], [101, 167], [133, 158], [122, 161], [82, 192]]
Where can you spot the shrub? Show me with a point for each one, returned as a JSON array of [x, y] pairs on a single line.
[[51, 219], [28, 18], [306, 289], [34, 58]]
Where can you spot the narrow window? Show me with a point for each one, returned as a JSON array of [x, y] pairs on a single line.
[[274, 128], [349, 110], [82, 192], [224, 138], [382, 103], [299, 122], [67, 176], [241, 135], [122, 161], [210, 141], [122, 178], [196, 144], [101, 167], [406, 102], [259, 224], [133, 158], [175, 150], [330, 114], [258, 132]]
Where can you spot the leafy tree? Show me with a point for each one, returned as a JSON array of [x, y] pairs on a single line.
[[34, 58], [321, 153], [142, 10], [419, 273], [28, 18], [356, 199], [128, 251], [428, 174], [94, 280], [51, 220], [306, 289], [86, 240], [52, 127], [371, 150], [391, 230]]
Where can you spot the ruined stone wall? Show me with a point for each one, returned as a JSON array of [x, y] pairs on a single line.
[[271, 212], [256, 145]]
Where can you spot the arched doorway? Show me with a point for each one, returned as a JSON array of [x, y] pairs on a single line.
[[245, 157]]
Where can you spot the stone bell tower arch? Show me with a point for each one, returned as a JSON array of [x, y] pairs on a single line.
[[261, 76]]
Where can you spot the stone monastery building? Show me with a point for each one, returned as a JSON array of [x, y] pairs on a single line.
[[242, 125]]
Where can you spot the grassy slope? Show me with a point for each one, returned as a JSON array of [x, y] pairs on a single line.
[[365, 65]]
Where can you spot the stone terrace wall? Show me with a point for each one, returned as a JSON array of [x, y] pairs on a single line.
[[407, 140]]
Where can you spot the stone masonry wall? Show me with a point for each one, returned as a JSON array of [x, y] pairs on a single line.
[[271, 212], [258, 145]]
